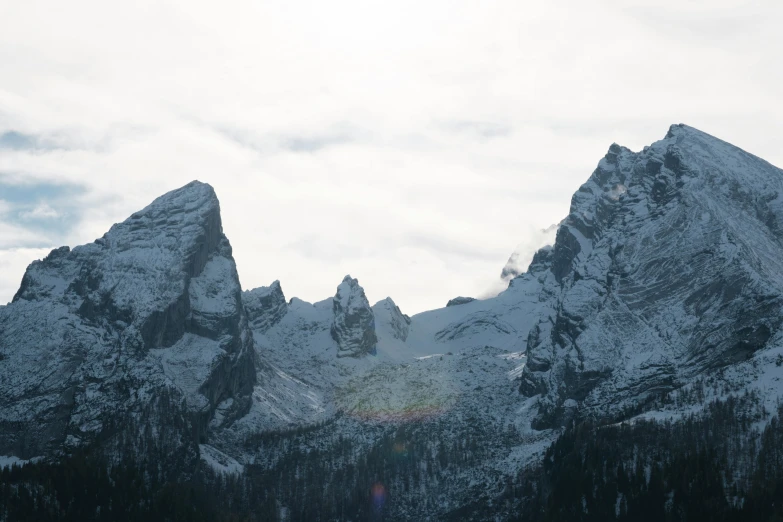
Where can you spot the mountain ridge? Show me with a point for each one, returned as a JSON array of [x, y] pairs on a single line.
[[665, 274]]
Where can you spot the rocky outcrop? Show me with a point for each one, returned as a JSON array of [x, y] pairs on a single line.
[[460, 301], [265, 306], [151, 309], [389, 317], [668, 266], [354, 322]]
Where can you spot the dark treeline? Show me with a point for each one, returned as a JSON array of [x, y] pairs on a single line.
[[398, 475], [715, 467], [706, 468]]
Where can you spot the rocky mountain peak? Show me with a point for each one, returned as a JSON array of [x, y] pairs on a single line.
[[265, 306], [354, 322], [669, 261], [160, 291]]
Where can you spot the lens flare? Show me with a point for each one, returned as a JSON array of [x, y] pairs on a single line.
[[400, 449], [395, 394], [378, 496]]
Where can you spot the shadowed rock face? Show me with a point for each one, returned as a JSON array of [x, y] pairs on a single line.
[[265, 306], [668, 265], [354, 323], [93, 333]]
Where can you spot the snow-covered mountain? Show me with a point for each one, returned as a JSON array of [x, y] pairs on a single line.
[[668, 267], [666, 273], [142, 325]]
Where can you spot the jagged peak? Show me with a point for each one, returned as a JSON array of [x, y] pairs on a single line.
[[390, 319], [265, 305], [391, 306], [681, 129], [261, 291], [176, 235], [386, 301], [354, 322], [350, 280], [192, 197], [350, 286]]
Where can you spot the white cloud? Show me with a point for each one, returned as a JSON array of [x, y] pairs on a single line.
[[40, 211], [417, 141], [14, 262]]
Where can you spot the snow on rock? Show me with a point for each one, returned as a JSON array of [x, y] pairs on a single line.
[[669, 265], [390, 322], [460, 301], [353, 328], [265, 306], [95, 332], [666, 274], [219, 461], [7, 462]]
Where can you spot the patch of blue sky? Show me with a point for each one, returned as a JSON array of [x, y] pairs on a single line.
[[17, 141], [44, 207]]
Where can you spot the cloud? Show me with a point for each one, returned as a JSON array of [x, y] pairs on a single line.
[[15, 261], [483, 129], [411, 144], [36, 213], [39, 212], [16, 141]]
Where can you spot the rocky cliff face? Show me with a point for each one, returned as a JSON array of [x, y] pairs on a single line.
[[97, 334], [354, 323], [669, 265], [265, 306]]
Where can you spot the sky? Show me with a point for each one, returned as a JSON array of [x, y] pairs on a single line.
[[411, 144]]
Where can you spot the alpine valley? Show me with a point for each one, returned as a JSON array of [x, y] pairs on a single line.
[[633, 372]]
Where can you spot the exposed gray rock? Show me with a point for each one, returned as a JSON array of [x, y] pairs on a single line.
[[460, 301], [354, 323], [98, 334], [669, 265], [265, 306]]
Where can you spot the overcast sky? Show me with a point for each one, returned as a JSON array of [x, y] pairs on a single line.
[[412, 144]]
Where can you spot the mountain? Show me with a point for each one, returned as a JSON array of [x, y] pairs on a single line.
[[649, 329], [145, 323], [667, 267], [354, 323]]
